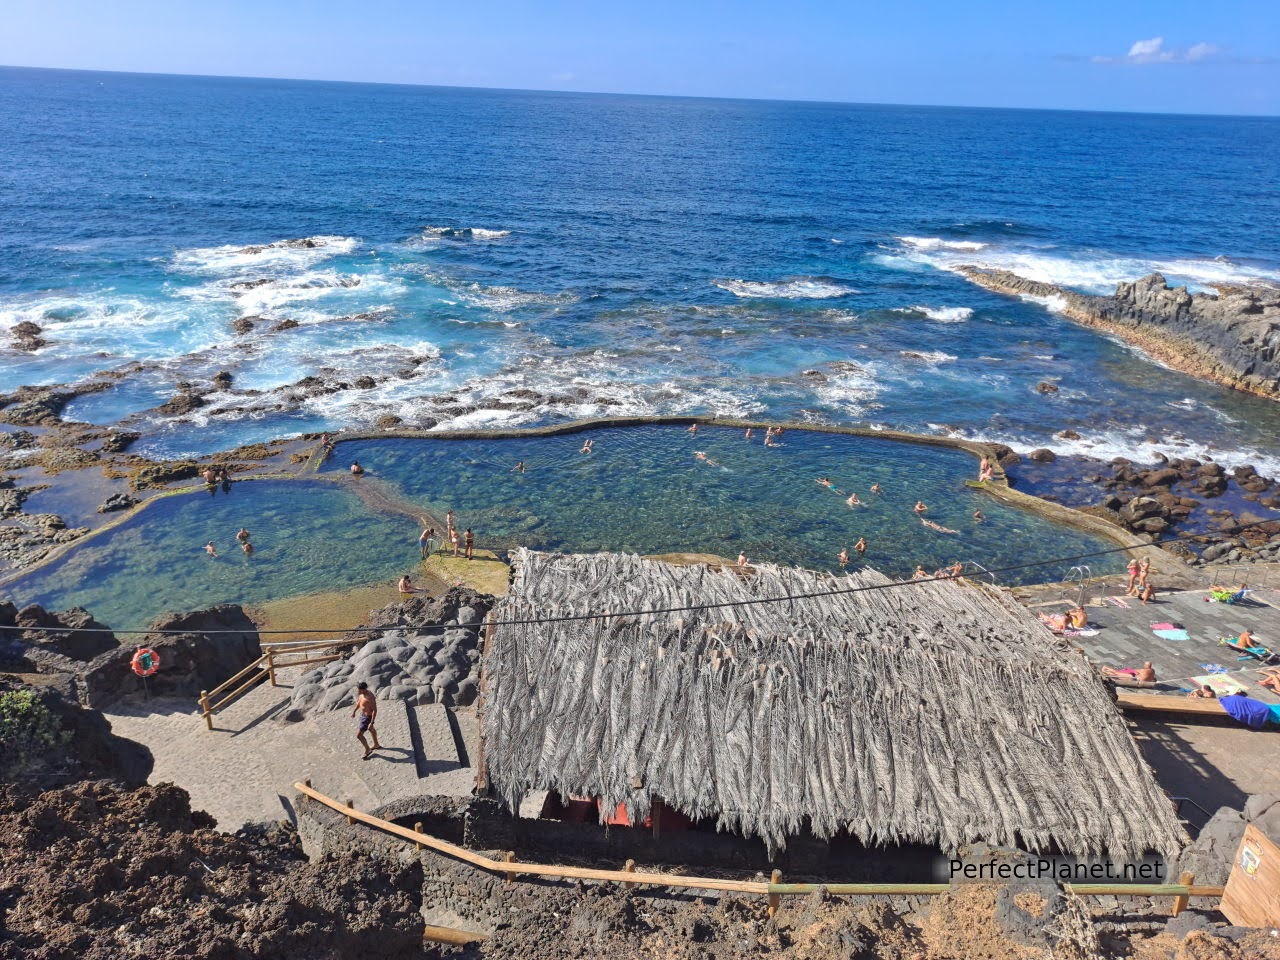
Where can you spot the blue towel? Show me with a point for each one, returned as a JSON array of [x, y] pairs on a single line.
[[1173, 634]]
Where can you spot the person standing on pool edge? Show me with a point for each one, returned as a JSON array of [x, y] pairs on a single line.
[[367, 707], [470, 542]]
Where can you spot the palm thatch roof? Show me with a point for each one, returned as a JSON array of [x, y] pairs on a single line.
[[939, 712]]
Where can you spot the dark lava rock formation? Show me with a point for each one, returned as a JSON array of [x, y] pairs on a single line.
[[1232, 338]]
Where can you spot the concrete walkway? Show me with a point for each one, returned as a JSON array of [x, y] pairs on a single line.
[[244, 770]]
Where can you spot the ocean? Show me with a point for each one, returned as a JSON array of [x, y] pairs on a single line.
[[473, 258]]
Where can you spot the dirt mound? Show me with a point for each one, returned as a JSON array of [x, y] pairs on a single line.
[[93, 872]]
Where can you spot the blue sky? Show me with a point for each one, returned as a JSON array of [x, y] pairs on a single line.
[[1172, 56]]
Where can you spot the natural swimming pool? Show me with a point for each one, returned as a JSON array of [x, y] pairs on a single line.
[[642, 489], [308, 537]]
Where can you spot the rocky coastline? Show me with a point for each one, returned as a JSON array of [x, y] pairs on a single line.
[[1232, 338]]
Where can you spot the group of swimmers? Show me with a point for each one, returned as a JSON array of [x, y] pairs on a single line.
[[215, 477], [242, 538]]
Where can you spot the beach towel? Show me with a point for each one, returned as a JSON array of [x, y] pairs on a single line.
[[1165, 626], [1119, 602], [1080, 633], [1213, 668], [1172, 634], [1220, 684]]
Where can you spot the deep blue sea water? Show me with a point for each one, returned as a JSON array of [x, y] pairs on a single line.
[[612, 254]]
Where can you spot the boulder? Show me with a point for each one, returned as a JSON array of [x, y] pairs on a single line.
[[1045, 386], [1165, 477], [117, 501], [1042, 455], [77, 635]]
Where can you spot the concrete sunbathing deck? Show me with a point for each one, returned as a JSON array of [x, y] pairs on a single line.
[[244, 770]]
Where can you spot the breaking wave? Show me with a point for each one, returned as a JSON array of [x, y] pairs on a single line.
[[792, 288], [937, 243], [281, 253], [463, 233], [945, 314]]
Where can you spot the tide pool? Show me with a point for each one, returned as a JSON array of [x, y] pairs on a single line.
[[643, 489], [308, 537]]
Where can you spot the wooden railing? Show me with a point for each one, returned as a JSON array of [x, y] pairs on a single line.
[[275, 656], [774, 888]]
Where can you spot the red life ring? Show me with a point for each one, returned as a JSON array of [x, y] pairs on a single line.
[[145, 662]]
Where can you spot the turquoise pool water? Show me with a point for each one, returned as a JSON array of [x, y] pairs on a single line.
[[643, 489], [309, 537]]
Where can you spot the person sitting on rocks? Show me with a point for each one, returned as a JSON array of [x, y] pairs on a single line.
[[985, 470], [406, 585], [1143, 674], [1148, 594]]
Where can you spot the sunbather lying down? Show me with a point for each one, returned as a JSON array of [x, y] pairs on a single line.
[[1242, 708], [1270, 679], [1227, 595], [1143, 674], [1074, 619]]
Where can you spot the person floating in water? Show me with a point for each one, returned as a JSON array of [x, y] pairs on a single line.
[[210, 549], [247, 547], [853, 500], [844, 556], [920, 507], [356, 469], [693, 429], [876, 488], [823, 482], [519, 467], [937, 526], [470, 543], [700, 455], [979, 516], [861, 545], [586, 446], [242, 535], [770, 434]]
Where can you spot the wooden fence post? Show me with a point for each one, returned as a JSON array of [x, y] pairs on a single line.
[[629, 867], [204, 708], [510, 858], [271, 668], [417, 828], [1180, 902], [351, 805], [775, 900]]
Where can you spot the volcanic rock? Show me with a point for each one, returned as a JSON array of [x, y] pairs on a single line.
[[26, 336], [1042, 455], [117, 501]]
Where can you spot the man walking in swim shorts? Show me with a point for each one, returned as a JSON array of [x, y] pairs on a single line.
[[367, 707]]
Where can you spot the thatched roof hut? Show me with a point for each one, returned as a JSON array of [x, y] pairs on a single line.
[[935, 712]]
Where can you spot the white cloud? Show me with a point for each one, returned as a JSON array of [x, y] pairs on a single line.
[[1154, 51]]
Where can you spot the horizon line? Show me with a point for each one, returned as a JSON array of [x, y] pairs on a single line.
[[664, 96]]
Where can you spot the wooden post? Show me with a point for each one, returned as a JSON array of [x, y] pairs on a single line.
[[417, 828], [629, 867], [775, 900], [510, 858], [1180, 902], [351, 805], [271, 668], [204, 708]]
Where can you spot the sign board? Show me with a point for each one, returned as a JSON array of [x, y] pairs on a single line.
[[1252, 894]]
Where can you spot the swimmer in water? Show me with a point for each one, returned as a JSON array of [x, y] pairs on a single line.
[[586, 446], [210, 549], [861, 545], [519, 467], [920, 507], [693, 428], [853, 500], [356, 469], [844, 556], [876, 488], [748, 434], [703, 457], [247, 547], [823, 481], [242, 535], [979, 515]]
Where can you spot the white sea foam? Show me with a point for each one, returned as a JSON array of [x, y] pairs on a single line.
[[792, 288], [281, 253], [938, 243], [463, 233], [1089, 271], [930, 357], [946, 314]]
